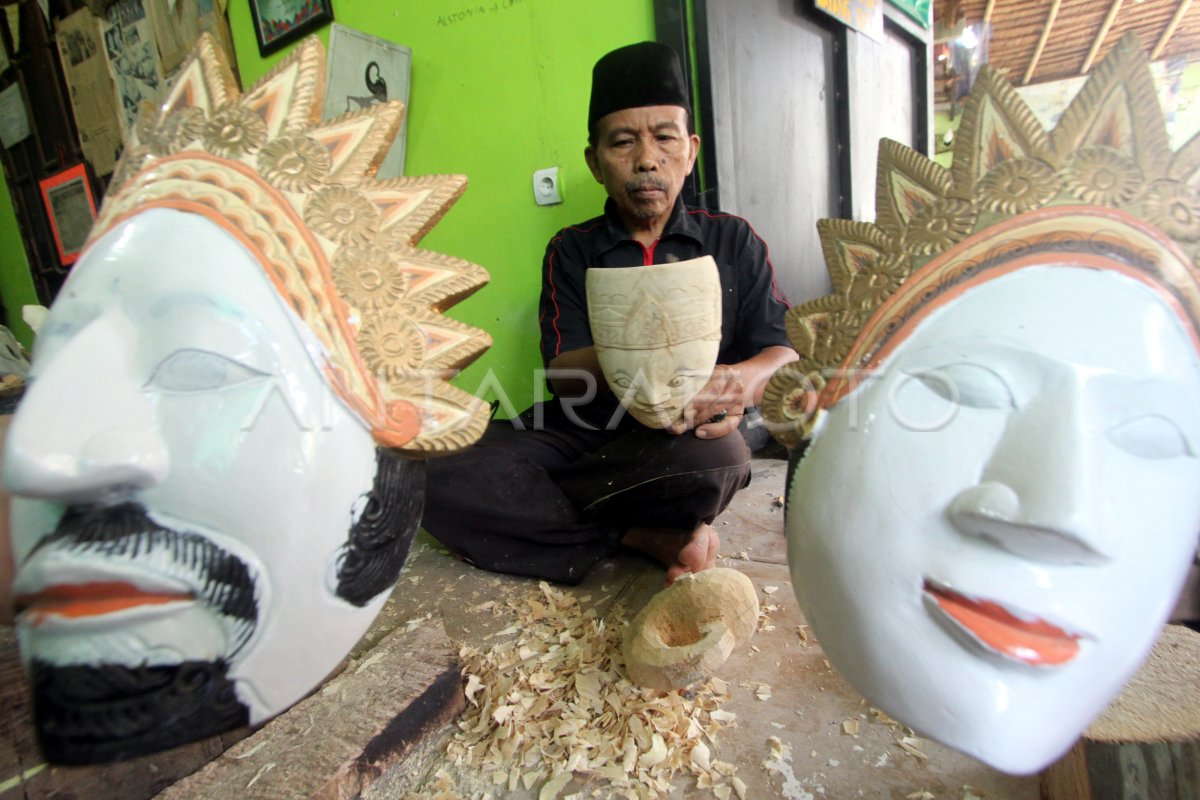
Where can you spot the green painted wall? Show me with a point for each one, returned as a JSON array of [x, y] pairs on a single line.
[[16, 283], [499, 89]]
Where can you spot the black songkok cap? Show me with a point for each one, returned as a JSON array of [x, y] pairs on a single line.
[[637, 75]]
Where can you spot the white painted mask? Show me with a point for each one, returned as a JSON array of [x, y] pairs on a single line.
[[657, 332], [218, 462], [1000, 400], [174, 431], [958, 527]]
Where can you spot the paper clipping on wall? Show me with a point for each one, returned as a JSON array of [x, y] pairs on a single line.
[[14, 119], [132, 58], [364, 70], [93, 96]]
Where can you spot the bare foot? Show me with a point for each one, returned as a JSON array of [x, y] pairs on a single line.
[[681, 552]]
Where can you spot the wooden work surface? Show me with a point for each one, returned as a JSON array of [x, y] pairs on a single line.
[[405, 685]]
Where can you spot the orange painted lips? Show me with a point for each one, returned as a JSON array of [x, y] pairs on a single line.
[[78, 600], [1035, 642]]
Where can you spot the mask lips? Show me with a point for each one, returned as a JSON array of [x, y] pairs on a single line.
[[109, 559], [1025, 638]]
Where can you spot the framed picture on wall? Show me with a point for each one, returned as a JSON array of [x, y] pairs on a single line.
[[279, 22], [71, 208]]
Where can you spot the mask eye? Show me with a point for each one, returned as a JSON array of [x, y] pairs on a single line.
[[1151, 436], [968, 385], [200, 371]]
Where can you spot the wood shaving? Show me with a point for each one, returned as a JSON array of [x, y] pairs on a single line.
[[263, 770], [850, 727], [912, 746], [883, 718], [472, 688], [553, 704], [923, 795]]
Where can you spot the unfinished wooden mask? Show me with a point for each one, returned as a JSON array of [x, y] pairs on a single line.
[[219, 456], [657, 330], [996, 419]]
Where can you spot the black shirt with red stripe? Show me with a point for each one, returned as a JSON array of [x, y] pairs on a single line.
[[753, 305]]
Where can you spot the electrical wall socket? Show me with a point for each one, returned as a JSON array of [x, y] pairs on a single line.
[[546, 190]]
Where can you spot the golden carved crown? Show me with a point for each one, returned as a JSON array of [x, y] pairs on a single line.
[[339, 246], [650, 307], [1103, 188]]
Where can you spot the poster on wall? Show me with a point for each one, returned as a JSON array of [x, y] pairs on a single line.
[[132, 59], [179, 23], [93, 97], [865, 16], [364, 70]]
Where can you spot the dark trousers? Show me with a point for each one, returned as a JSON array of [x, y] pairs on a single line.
[[544, 496]]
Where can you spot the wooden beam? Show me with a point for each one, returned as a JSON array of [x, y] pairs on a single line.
[[1101, 36], [1037, 53], [1180, 10]]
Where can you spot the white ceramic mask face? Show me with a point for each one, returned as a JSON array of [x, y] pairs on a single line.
[[657, 331], [960, 528], [209, 478]]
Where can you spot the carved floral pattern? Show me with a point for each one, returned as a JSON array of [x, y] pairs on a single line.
[[825, 336], [1103, 176], [872, 286], [1175, 209], [391, 345], [1018, 185], [175, 133], [234, 131], [938, 225], [294, 163], [341, 214], [369, 278]]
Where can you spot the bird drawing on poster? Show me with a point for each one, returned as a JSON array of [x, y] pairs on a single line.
[[376, 86]]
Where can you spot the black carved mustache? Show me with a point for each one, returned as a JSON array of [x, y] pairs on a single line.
[[125, 532]]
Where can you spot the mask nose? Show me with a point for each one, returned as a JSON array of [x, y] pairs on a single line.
[[1038, 497], [85, 431], [993, 511]]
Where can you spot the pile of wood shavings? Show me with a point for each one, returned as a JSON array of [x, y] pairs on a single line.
[[552, 704]]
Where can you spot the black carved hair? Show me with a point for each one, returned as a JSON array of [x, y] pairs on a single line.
[[371, 559]]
